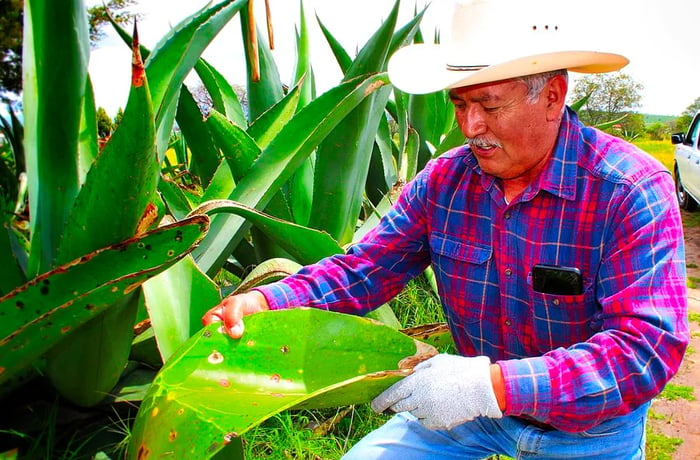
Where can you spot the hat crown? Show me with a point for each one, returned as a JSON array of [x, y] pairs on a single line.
[[494, 40], [485, 32]]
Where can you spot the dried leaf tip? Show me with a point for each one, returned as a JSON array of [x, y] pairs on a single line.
[[138, 72]]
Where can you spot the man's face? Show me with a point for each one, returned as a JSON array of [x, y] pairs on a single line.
[[509, 136]]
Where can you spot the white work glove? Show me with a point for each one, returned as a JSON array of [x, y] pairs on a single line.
[[443, 392]]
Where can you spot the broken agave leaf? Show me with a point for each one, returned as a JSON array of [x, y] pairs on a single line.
[[215, 388], [435, 334]]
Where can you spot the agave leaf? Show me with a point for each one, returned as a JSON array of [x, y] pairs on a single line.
[[239, 149], [78, 366], [12, 274], [176, 300], [179, 201], [215, 389], [265, 91], [269, 271], [221, 185], [204, 156], [576, 105], [88, 146], [338, 198], [56, 50], [174, 57], [222, 93], [127, 168], [611, 123], [279, 161], [437, 335], [40, 313], [305, 244], [303, 73], [454, 138], [270, 123], [341, 56]]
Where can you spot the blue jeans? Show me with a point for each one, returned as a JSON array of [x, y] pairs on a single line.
[[404, 438]]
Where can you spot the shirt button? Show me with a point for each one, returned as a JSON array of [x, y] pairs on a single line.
[[508, 323], [508, 272], [506, 215], [555, 301]]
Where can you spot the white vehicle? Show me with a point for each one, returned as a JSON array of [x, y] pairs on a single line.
[[686, 169]]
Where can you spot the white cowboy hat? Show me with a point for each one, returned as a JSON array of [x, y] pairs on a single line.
[[494, 40]]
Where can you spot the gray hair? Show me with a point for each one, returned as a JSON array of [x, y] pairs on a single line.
[[536, 82]]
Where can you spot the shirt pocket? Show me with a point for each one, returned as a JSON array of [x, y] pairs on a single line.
[[461, 269], [564, 320]]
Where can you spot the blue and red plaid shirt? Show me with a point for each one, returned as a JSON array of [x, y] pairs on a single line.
[[600, 205]]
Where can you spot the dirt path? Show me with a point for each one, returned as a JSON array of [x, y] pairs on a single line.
[[683, 417]]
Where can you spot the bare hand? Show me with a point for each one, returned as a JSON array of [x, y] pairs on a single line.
[[232, 309]]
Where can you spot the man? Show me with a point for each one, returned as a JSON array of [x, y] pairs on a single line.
[[557, 249]]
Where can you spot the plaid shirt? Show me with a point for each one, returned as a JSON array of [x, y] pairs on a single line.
[[571, 361]]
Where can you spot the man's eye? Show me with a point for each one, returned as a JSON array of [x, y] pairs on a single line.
[[491, 109]]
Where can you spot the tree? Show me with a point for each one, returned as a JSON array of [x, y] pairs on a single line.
[[99, 16], [11, 14], [104, 123], [683, 122], [612, 95], [11, 20]]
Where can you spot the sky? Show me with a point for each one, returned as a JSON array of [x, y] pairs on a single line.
[[657, 36]]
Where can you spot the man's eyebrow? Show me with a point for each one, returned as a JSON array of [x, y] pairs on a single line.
[[483, 98]]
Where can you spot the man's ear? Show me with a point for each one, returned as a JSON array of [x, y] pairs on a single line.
[[555, 92]]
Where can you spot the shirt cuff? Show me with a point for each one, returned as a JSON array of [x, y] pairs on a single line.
[[278, 295], [528, 387]]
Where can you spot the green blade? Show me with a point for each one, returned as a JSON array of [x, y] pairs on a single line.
[[305, 244], [56, 50], [176, 301], [222, 93], [127, 168], [176, 54], [204, 156], [215, 388], [266, 92], [279, 161], [40, 313]]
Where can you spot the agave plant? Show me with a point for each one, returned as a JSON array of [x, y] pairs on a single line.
[[283, 183]]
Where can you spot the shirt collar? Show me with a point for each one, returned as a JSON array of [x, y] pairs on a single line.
[[559, 176]]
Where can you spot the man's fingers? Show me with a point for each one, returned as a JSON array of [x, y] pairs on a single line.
[[395, 393], [215, 315]]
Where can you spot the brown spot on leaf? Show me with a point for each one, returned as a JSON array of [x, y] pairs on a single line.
[[172, 436], [284, 349], [138, 72], [275, 378], [154, 412], [65, 329], [225, 383], [228, 437], [216, 358], [143, 452]]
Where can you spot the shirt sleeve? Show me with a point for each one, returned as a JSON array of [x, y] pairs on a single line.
[[372, 271], [642, 293]]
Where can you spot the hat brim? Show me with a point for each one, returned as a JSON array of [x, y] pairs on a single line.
[[421, 68]]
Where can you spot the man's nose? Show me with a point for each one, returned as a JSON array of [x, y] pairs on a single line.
[[472, 123]]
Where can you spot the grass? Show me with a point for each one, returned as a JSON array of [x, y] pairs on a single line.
[[661, 150], [660, 446], [675, 392], [694, 317]]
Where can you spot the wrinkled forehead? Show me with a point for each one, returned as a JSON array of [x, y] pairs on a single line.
[[489, 92]]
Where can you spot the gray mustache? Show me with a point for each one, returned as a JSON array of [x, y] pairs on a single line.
[[482, 142]]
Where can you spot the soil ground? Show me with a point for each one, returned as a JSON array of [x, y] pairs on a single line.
[[682, 417]]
